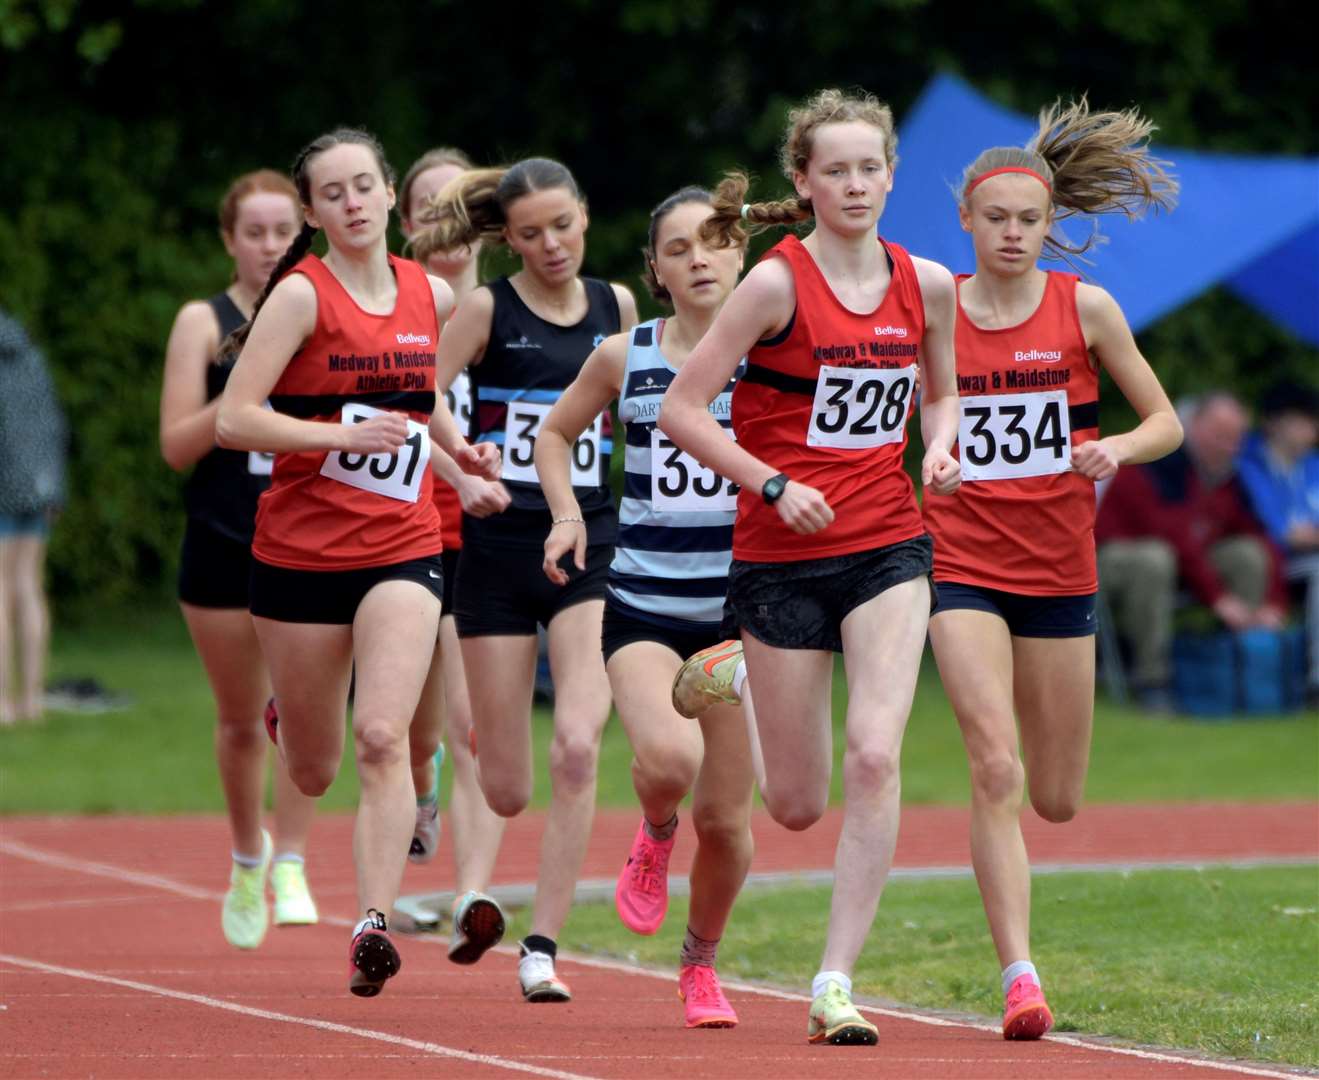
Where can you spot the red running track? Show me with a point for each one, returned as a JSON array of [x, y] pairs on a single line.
[[112, 965]]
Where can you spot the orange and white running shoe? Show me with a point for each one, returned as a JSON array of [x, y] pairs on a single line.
[[1026, 1014], [706, 678]]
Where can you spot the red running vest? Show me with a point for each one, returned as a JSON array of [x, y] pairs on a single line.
[[1028, 392], [307, 520], [827, 402]]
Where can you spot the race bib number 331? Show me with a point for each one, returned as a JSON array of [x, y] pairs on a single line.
[[860, 408], [396, 476], [1009, 436]]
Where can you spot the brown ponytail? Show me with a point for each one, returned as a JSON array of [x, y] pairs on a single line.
[[474, 206], [1094, 163], [729, 225]]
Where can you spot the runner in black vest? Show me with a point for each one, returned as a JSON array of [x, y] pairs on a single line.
[[259, 216], [525, 338]]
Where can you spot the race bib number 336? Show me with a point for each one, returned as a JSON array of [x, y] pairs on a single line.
[[523, 426], [396, 476], [1009, 436], [860, 408]]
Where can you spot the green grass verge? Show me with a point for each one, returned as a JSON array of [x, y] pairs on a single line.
[[1220, 961], [156, 757]]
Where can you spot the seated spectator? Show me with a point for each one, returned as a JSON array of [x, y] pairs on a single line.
[[32, 447], [1184, 522], [1279, 467]]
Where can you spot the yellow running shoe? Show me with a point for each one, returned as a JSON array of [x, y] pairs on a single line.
[[244, 917], [293, 903], [706, 678], [834, 1019]]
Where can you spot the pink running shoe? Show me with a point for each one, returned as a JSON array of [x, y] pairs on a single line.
[[1026, 1014], [699, 988], [642, 893], [372, 957]]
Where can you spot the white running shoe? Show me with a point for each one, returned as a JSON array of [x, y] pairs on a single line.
[[426, 833], [293, 903], [244, 916], [539, 983]]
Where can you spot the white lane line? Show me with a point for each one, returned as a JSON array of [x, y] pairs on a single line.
[[398, 1041], [151, 880]]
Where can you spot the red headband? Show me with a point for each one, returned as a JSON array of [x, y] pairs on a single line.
[[1006, 169]]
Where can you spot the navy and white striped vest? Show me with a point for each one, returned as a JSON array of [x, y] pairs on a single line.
[[671, 556]]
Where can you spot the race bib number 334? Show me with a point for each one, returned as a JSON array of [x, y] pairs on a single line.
[[860, 408], [1009, 436], [396, 476]]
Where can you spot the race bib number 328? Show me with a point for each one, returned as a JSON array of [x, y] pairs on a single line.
[[1010, 436], [396, 476], [860, 408]]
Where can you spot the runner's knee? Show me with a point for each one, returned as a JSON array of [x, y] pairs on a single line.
[[312, 778], [573, 760], [796, 811], [1056, 806], [379, 743], [998, 778], [722, 828], [870, 768]]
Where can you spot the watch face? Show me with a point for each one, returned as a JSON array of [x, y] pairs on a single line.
[[773, 488]]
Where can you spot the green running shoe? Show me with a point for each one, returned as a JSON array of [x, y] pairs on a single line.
[[293, 903], [244, 917], [834, 1019]]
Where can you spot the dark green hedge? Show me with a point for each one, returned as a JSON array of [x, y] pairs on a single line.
[[118, 132]]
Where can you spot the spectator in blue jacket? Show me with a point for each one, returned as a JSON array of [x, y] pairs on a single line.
[[1279, 467]]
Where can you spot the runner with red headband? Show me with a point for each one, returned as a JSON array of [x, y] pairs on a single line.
[[1014, 550]]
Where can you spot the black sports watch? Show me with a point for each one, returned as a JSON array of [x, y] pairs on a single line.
[[773, 488]]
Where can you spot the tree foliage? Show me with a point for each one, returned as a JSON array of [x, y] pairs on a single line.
[[120, 125]]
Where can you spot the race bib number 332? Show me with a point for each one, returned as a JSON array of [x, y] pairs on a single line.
[[1010, 436], [860, 408], [397, 475]]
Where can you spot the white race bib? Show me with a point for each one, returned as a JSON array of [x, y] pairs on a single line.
[[520, 431], [396, 476], [860, 408], [260, 463], [681, 484], [459, 399], [1008, 436]]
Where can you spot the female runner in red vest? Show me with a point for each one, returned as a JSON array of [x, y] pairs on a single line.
[[1014, 550], [445, 707], [829, 549], [259, 217], [346, 554]]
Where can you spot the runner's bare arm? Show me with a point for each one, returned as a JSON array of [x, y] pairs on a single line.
[[597, 384], [187, 420], [760, 307], [282, 325], [1159, 432], [627, 307], [940, 471]]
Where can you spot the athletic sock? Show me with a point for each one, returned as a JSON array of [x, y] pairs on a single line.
[[697, 950], [539, 943], [662, 832], [290, 856], [1015, 971], [739, 677], [823, 979], [249, 862]]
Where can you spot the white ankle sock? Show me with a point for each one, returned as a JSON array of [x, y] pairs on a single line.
[[825, 978], [290, 856], [739, 677], [1015, 971], [249, 862]]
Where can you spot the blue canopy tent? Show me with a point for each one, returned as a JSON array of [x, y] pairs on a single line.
[[1251, 223]]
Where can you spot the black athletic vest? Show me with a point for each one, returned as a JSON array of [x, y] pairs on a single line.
[[222, 491], [527, 364]]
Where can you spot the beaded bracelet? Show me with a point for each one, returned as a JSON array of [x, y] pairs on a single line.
[[565, 520]]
